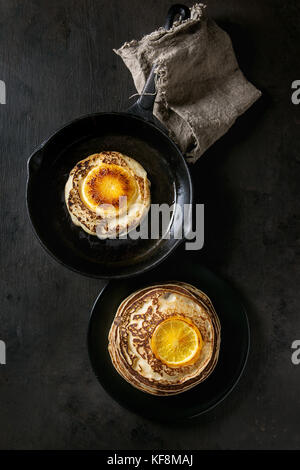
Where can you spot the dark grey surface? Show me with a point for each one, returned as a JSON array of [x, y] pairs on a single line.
[[57, 61]]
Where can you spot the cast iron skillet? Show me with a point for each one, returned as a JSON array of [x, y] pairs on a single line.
[[135, 133]]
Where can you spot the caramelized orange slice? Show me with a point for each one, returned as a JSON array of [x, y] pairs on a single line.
[[106, 184], [176, 341]]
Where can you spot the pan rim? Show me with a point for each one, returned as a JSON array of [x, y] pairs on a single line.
[[35, 228]]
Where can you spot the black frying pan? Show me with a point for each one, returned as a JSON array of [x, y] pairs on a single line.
[[135, 133]]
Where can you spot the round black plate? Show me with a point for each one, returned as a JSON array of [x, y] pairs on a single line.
[[235, 340]]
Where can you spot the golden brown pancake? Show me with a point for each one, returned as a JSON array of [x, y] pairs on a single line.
[[107, 193], [152, 315]]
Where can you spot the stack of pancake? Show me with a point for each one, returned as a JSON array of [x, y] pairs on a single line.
[[107, 194], [165, 339]]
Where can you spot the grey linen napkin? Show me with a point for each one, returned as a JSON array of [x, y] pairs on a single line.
[[200, 88]]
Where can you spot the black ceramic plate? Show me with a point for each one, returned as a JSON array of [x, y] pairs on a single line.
[[235, 339]]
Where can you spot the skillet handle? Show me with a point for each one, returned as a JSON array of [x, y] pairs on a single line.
[[144, 105]]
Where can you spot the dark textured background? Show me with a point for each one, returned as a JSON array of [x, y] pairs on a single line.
[[57, 61]]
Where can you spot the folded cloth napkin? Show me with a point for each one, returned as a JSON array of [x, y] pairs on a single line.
[[200, 88]]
